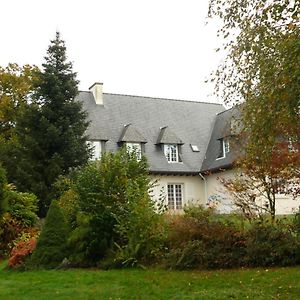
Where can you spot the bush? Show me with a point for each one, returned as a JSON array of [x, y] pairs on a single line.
[[115, 217], [270, 244], [52, 244], [23, 248], [22, 207], [3, 200], [198, 239]]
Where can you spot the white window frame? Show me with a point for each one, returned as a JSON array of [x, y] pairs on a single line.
[[134, 147], [172, 157], [96, 149], [225, 146], [175, 196]]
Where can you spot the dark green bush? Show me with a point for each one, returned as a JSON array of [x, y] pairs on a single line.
[[52, 244], [270, 244], [198, 239], [116, 223]]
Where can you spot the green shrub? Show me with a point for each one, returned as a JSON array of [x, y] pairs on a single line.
[[3, 200], [115, 217], [269, 244], [23, 207], [52, 244], [198, 239]]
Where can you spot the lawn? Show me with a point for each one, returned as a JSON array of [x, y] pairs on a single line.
[[279, 283]]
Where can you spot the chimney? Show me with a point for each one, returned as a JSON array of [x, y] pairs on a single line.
[[97, 90]]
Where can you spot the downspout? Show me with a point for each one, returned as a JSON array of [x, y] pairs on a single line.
[[205, 187]]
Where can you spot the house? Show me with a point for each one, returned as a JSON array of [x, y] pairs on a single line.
[[187, 143]]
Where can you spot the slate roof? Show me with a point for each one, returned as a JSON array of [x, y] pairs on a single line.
[[167, 136], [225, 126], [190, 122], [131, 134]]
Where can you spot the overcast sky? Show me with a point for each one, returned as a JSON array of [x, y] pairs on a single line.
[[159, 48]]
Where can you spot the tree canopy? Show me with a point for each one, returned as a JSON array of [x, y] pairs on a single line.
[[52, 128]]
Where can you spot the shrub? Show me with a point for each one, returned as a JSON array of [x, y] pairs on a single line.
[[3, 201], [116, 220], [270, 244], [52, 244], [9, 231], [22, 207], [198, 239], [23, 248]]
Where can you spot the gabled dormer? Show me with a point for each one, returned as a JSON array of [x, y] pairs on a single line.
[[133, 139], [171, 145]]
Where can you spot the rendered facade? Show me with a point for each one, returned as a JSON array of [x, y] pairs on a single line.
[[187, 144]]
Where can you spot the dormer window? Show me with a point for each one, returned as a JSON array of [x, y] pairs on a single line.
[[96, 149], [171, 153], [134, 148], [224, 148]]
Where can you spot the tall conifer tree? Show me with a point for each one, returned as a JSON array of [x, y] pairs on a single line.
[[52, 129]]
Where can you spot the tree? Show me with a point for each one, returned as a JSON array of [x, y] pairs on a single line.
[[16, 86], [52, 128], [51, 247], [262, 71]]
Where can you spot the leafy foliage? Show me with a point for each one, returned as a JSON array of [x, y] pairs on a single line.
[[23, 248], [271, 245], [261, 71], [116, 219], [3, 200], [201, 239]]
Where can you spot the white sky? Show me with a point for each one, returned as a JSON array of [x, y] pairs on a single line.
[[159, 48]]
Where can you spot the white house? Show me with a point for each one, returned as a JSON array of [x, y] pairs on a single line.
[[187, 143]]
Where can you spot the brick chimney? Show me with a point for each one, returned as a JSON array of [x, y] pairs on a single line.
[[97, 90]]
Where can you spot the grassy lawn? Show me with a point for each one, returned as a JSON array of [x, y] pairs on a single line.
[[280, 283]]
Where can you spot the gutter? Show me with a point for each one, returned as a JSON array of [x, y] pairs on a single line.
[[205, 188]]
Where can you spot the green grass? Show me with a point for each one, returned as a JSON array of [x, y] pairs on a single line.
[[279, 283]]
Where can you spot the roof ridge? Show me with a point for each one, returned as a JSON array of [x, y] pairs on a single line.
[[159, 98]]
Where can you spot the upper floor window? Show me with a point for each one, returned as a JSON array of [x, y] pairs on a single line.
[[171, 153], [134, 148], [224, 147], [96, 149]]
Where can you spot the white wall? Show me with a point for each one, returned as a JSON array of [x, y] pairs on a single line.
[[215, 190], [193, 187]]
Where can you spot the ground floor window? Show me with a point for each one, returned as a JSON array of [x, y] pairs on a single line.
[[175, 195]]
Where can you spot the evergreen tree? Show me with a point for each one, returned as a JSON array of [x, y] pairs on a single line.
[[52, 129], [51, 247]]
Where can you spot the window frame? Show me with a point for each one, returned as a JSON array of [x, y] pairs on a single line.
[[177, 202], [91, 144], [168, 153], [134, 146], [225, 146]]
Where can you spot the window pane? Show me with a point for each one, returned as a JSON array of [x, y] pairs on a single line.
[[96, 149], [178, 192], [175, 196], [171, 152], [136, 148], [171, 196], [221, 148]]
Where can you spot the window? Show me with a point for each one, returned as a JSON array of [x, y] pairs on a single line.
[[96, 149], [292, 145], [175, 192], [134, 148], [171, 153], [224, 147]]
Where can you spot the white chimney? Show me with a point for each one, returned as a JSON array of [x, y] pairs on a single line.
[[97, 90]]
